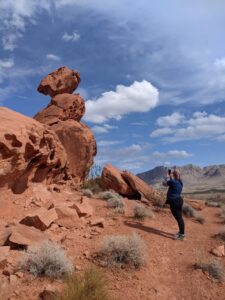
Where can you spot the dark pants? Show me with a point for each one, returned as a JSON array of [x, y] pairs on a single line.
[[176, 210]]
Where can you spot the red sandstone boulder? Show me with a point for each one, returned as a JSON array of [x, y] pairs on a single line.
[[112, 179], [80, 146], [67, 217], [4, 253], [41, 218], [29, 152], [129, 185], [23, 235], [142, 187], [62, 80], [62, 107], [83, 207]]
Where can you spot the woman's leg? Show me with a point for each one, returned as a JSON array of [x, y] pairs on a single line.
[[176, 210]]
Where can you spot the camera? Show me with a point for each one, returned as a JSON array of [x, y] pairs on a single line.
[[169, 171]]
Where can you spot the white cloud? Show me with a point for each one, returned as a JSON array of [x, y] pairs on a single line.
[[71, 37], [6, 63], [138, 97], [220, 63], [107, 143], [15, 15], [200, 126], [139, 124], [54, 57], [221, 138], [103, 129], [172, 154], [171, 120], [161, 132]]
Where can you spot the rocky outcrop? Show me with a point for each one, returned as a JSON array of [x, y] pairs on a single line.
[[112, 179], [63, 114], [62, 80], [29, 152], [62, 107], [80, 145], [127, 184]]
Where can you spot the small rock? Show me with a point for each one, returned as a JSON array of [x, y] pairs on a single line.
[[6, 272], [13, 279], [19, 274], [41, 218], [98, 222], [49, 293], [218, 251]]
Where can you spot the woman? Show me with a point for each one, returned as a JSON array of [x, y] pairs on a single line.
[[174, 199]]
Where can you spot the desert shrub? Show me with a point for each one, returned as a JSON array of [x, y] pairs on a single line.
[[123, 250], [90, 285], [47, 259], [214, 268], [141, 212], [106, 195], [190, 212], [93, 184], [87, 193], [221, 235], [115, 203], [119, 210]]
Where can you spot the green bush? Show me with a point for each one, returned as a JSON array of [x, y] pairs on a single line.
[[91, 285], [115, 203]]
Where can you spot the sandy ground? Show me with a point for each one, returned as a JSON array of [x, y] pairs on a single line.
[[168, 272]]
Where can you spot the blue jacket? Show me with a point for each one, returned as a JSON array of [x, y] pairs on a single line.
[[175, 189]]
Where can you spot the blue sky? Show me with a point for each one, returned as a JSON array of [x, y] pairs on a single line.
[[153, 73]]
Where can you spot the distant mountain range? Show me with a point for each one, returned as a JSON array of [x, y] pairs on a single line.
[[195, 178]]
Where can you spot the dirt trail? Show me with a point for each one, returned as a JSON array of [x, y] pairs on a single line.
[[168, 273]]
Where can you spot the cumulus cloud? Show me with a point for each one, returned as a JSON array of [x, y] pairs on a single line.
[[171, 120], [105, 143], [71, 37], [200, 126], [172, 154], [138, 97], [220, 63], [54, 57]]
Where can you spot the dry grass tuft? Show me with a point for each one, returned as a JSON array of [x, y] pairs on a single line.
[[93, 184], [115, 203], [141, 212], [221, 235], [213, 204], [47, 259], [91, 285], [88, 193], [214, 268], [106, 195], [118, 250], [190, 212]]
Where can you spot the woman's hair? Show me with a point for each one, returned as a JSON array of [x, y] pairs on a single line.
[[176, 174]]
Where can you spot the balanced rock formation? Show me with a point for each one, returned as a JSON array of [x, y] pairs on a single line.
[[63, 114], [62, 80], [127, 184], [29, 152]]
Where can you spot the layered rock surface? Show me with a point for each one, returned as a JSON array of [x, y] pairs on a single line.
[[129, 185]]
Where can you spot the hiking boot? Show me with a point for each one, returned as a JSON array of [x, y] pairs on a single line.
[[179, 237]]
